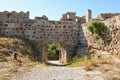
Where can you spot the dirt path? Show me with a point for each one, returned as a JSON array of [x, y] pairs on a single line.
[[58, 73]]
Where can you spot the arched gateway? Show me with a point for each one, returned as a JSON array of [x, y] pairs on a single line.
[[62, 54], [67, 31]]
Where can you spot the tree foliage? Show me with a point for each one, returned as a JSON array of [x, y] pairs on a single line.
[[97, 27], [53, 51]]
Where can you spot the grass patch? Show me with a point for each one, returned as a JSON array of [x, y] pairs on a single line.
[[91, 64], [43, 64], [105, 68], [22, 46], [3, 59], [88, 67], [78, 62]]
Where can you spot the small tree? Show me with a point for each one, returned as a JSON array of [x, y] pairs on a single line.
[[98, 28], [53, 51]]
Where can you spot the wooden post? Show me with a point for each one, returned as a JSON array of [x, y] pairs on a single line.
[[15, 55]]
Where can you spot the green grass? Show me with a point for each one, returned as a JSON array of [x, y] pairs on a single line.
[[84, 61]]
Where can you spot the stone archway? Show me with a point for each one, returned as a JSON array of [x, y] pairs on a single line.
[[62, 55]]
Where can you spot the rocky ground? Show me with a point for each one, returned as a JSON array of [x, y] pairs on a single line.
[[24, 69], [8, 64], [59, 73], [39, 72], [13, 70]]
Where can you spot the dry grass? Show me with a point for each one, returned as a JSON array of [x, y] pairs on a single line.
[[15, 69], [23, 63], [5, 77], [109, 60], [19, 66], [27, 62], [10, 45], [94, 63], [91, 64], [4, 51], [105, 68], [77, 62], [88, 67], [3, 59]]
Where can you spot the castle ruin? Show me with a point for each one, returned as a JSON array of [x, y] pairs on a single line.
[[67, 31]]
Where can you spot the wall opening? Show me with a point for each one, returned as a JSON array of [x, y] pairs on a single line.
[[68, 16], [54, 53]]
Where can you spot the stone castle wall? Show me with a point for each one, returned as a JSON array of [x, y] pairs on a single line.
[[111, 43], [43, 31], [106, 16], [14, 16], [69, 30]]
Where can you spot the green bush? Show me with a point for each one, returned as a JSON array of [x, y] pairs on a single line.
[[53, 51], [97, 27]]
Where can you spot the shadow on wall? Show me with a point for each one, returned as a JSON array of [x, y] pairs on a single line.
[[106, 40], [95, 42], [82, 43], [107, 37]]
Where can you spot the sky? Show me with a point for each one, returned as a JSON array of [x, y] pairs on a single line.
[[54, 9]]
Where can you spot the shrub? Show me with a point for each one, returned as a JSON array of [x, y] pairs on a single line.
[[97, 27], [53, 51]]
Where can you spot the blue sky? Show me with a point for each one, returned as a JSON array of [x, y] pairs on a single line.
[[55, 8]]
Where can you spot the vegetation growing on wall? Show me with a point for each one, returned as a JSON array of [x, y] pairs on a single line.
[[98, 28]]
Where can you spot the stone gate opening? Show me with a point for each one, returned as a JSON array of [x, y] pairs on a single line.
[[60, 54], [53, 51]]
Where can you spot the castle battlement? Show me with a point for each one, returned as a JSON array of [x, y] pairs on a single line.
[[14, 16]]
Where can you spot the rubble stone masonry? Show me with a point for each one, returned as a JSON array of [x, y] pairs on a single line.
[[68, 31]]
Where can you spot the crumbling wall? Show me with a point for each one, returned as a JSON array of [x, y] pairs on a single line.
[[111, 42], [14, 16], [104, 16], [88, 15], [69, 16], [43, 31]]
